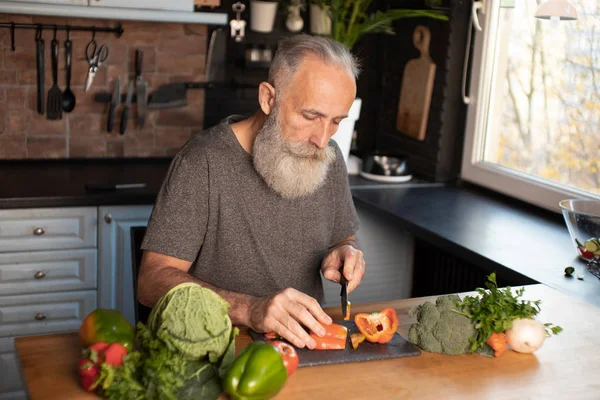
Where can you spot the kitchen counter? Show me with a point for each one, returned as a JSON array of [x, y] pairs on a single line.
[[564, 367], [490, 231], [62, 183], [487, 229]]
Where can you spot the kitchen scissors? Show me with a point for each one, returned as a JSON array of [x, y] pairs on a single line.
[[96, 56]]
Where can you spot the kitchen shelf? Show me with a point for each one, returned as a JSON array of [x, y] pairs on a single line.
[[57, 10]]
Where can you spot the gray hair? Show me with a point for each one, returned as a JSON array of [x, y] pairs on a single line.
[[291, 52]]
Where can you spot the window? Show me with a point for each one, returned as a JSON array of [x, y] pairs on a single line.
[[533, 128]]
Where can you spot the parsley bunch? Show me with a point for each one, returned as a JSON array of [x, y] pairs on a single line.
[[496, 309]]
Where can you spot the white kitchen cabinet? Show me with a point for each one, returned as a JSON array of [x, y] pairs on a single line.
[[48, 278], [11, 385], [48, 271], [47, 229], [115, 284], [171, 5]]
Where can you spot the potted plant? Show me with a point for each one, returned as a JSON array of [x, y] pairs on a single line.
[[349, 22], [262, 15]]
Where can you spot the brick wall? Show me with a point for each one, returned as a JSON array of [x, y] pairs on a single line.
[[172, 53]]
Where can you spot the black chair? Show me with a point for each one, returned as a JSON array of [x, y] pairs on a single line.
[[137, 235]]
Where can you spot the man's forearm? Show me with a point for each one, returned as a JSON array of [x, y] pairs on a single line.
[[162, 279]]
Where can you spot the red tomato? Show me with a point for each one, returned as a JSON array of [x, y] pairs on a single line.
[[114, 353], [288, 354], [334, 338]]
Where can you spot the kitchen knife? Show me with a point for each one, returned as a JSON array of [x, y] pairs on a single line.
[[344, 293], [114, 102], [126, 108], [174, 95], [141, 88], [94, 187], [40, 65]]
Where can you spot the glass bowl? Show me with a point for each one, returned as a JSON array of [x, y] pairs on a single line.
[[583, 222]]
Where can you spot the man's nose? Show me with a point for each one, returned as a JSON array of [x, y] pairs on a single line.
[[321, 137]]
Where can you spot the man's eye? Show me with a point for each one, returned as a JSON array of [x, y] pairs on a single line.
[[336, 122], [308, 117]]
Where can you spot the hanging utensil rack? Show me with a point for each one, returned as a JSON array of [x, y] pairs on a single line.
[[117, 29]]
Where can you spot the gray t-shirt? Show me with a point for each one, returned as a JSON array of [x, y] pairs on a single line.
[[217, 212]]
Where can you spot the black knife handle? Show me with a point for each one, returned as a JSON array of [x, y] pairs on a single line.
[[111, 118], [41, 67], [139, 57], [54, 54], [124, 117]]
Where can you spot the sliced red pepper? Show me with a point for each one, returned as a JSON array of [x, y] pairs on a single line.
[[583, 251], [334, 338], [378, 327], [356, 339], [347, 316]]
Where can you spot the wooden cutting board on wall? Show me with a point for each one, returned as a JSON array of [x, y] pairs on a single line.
[[417, 86]]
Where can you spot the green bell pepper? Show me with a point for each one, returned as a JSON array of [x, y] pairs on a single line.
[[257, 373]]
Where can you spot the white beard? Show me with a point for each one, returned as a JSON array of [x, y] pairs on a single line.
[[292, 169]]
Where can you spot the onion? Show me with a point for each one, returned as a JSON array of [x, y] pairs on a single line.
[[526, 335]]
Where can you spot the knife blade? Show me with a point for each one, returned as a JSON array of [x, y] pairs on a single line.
[[141, 88], [114, 102], [125, 114], [344, 294]]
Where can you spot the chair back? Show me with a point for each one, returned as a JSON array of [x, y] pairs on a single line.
[[137, 235]]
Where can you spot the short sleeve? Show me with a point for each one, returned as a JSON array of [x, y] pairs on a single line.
[[179, 218], [346, 221]]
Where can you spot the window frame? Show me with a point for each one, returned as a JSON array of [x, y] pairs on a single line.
[[474, 169]]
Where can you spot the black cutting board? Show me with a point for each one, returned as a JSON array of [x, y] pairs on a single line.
[[395, 348]]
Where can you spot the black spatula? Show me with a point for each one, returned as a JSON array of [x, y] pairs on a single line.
[[54, 101]]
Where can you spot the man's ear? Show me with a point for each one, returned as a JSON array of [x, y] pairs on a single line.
[[266, 97]]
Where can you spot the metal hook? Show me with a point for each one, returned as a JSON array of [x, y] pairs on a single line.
[[93, 33], [55, 30], [12, 36], [38, 32]]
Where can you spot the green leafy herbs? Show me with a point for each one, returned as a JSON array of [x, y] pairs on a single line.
[[494, 310]]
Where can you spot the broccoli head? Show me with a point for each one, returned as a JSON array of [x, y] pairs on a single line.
[[439, 329]]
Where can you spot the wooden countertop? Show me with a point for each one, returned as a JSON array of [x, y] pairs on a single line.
[[566, 366]]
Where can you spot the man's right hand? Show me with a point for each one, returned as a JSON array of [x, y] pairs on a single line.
[[285, 313]]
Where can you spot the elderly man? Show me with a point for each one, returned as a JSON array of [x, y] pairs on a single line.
[[256, 208]]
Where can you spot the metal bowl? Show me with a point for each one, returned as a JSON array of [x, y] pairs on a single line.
[[583, 222]]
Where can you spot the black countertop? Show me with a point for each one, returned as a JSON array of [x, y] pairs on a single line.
[[490, 231], [481, 227]]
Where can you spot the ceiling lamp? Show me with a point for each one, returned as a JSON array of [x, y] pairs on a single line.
[[561, 10]]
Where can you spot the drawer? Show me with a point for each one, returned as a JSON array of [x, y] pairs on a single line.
[[10, 375], [48, 271], [19, 395], [47, 229], [45, 313]]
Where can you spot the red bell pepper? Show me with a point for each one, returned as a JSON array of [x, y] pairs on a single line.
[[378, 327], [334, 338]]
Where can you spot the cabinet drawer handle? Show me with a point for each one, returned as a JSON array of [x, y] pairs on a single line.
[[40, 275], [38, 231], [108, 218], [40, 317]]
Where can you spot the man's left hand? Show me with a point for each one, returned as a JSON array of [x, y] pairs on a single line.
[[350, 258]]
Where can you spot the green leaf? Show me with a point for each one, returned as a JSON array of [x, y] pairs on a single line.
[[494, 310]]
